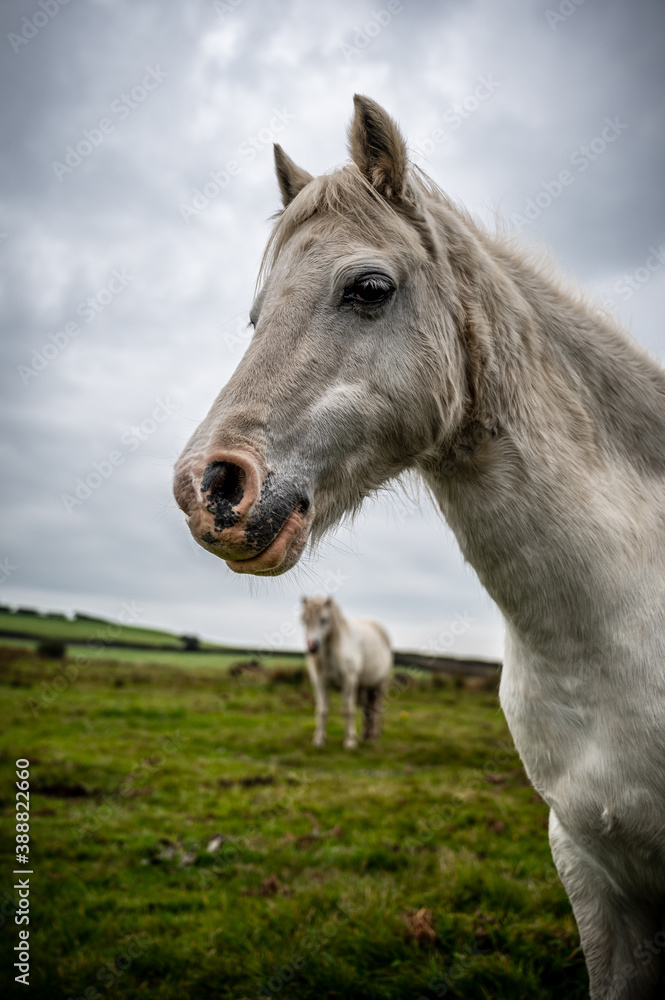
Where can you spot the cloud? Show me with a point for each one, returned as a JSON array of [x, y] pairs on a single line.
[[169, 332]]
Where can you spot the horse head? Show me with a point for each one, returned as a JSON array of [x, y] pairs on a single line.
[[356, 368]]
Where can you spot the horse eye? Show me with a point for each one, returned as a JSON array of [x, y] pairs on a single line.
[[370, 289]]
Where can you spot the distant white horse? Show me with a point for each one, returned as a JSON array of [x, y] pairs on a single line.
[[353, 655], [393, 334]]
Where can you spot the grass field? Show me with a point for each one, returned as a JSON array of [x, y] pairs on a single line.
[[203, 659], [418, 868]]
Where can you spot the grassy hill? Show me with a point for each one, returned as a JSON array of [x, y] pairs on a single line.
[[83, 627], [100, 639]]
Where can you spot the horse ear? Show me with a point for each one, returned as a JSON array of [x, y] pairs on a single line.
[[377, 148], [291, 178]]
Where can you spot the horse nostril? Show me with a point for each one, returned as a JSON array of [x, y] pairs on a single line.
[[224, 481], [303, 505]]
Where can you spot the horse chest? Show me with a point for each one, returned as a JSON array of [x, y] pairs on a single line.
[[597, 758], [331, 671]]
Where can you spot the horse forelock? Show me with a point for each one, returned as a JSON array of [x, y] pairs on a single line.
[[346, 194], [313, 608]]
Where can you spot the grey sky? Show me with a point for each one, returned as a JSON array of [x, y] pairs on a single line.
[[501, 98]]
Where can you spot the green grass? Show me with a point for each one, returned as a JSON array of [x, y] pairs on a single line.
[[326, 855], [201, 659], [206, 659]]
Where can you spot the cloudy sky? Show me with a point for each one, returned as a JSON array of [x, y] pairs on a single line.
[[125, 293]]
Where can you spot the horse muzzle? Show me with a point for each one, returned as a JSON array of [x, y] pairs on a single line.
[[258, 523]]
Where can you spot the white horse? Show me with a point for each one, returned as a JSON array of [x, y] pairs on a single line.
[[353, 655], [393, 333]]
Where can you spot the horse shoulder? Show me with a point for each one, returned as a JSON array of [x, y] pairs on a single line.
[[595, 755], [331, 668]]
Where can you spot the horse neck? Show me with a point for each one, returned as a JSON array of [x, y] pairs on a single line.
[[562, 454]]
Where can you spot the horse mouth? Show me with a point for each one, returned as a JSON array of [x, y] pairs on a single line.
[[282, 553]]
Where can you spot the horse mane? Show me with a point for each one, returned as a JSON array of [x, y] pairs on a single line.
[[346, 192]]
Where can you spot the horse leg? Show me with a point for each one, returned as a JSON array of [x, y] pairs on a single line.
[[619, 939], [321, 703], [364, 698], [377, 717], [373, 714], [321, 715], [349, 693]]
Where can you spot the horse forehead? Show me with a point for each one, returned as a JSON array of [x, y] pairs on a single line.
[[326, 238], [312, 609]]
